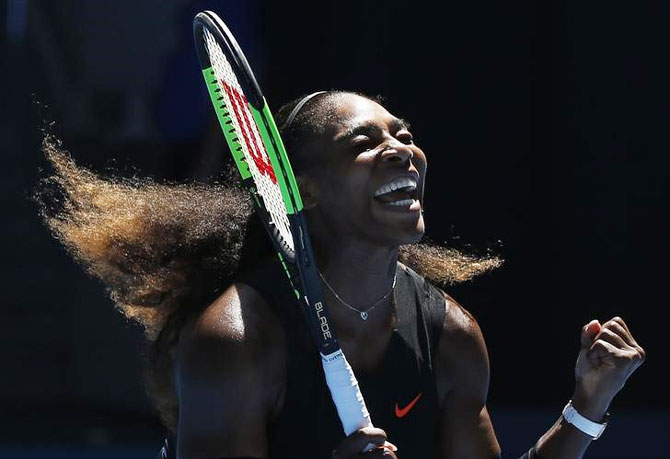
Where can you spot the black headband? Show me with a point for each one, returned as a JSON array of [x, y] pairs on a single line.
[[299, 106]]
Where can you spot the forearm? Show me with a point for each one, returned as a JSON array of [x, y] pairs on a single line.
[[565, 441]]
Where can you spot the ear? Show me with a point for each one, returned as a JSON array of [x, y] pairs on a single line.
[[308, 192]]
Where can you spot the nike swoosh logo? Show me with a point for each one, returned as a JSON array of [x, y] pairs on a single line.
[[402, 412]]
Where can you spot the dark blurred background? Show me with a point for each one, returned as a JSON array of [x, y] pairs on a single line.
[[546, 129]]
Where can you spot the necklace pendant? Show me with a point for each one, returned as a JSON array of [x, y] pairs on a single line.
[[364, 315]]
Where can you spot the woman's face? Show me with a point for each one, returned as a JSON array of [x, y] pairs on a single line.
[[369, 175]]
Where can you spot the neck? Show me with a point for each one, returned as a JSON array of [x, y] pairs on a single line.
[[361, 274]]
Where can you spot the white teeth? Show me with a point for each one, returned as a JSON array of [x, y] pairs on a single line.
[[403, 182], [404, 202]]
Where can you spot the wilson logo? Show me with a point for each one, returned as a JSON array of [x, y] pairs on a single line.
[[258, 153]]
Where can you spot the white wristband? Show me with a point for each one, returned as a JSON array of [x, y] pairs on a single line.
[[590, 428]]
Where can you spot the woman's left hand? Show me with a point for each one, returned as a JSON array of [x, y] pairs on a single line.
[[608, 356]]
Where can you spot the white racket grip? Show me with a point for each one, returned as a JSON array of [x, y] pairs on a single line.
[[345, 392]]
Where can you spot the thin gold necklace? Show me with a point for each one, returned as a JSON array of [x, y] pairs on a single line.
[[363, 312]]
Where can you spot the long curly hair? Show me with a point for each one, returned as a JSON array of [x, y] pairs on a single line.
[[165, 251]]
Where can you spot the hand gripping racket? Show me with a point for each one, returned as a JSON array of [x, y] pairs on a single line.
[[259, 154]]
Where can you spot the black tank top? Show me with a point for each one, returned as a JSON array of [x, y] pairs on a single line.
[[401, 394]]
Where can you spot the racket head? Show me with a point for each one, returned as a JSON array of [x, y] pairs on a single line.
[[231, 50], [256, 146], [249, 130]]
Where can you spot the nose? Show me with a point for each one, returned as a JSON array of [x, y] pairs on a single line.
[[396, 153]]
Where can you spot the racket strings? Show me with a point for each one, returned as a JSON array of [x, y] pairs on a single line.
[[250, 141]]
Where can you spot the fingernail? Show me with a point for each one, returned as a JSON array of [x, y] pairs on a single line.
[[390, 446]]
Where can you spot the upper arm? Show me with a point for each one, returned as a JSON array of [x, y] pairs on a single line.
[[465, 428], [229, 377]]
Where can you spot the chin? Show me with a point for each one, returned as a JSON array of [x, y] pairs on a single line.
[[415, 237], [404, 236]]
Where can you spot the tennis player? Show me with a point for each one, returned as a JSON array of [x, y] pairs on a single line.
[[232, 367]]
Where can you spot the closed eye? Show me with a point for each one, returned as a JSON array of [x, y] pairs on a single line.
[[405, 137], [362, 143]]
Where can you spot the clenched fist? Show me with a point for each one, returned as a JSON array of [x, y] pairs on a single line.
[[608, 356]]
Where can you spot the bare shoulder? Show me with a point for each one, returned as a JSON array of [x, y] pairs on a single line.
[[229, 377], [460, 326], [238, 324], [462, 357]]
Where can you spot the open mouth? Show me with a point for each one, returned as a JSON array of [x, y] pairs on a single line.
[[400, 192]]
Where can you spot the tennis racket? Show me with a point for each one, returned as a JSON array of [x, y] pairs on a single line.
[[259, 154]]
